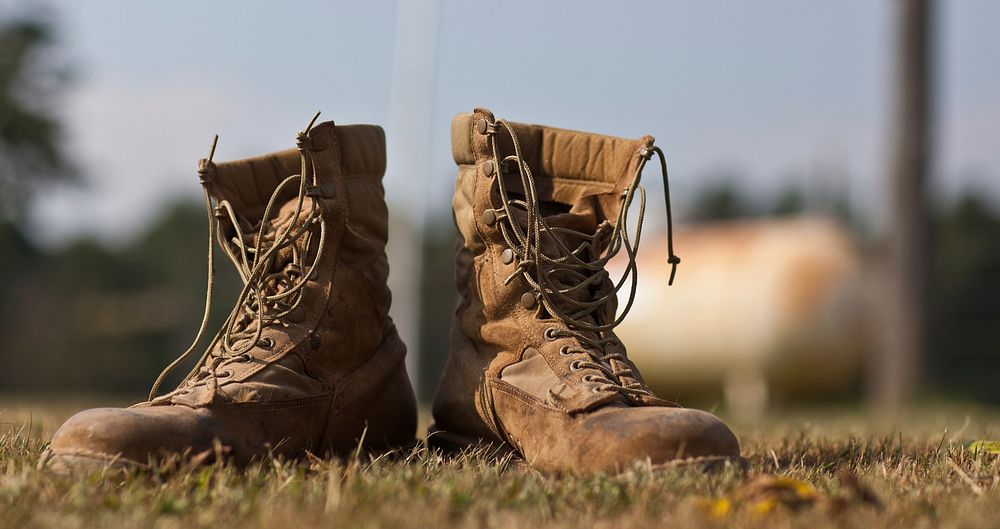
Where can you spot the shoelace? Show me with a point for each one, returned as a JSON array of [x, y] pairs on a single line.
[[566, 280], [267, 295]]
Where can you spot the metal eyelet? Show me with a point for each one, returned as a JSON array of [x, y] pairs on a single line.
[[265, 342], [550, 333], [485, 127], [564, 350], [244, 358], [226, 374], [528, 300], [575, 366], [489, 217], [597, 389], [587, 378]]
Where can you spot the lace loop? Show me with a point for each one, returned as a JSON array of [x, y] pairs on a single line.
[[571, 284], [303, 141], [672, 259]]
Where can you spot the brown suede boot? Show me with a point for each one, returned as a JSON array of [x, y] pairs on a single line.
[[535, 365], [308, 360]]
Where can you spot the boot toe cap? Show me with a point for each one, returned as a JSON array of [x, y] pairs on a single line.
[[622, 436], [124, 437]]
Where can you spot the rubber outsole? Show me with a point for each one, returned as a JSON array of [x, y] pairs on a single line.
[[70, 462], [81, 460], [452, 444]]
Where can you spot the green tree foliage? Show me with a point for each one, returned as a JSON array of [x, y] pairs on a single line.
[[89, 317], [965, 306], [438, 299], [31, 79], [722, 200]]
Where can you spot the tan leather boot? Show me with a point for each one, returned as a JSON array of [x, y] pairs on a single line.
[[535, 365], [308, 360]]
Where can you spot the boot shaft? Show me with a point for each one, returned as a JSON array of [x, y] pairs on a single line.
[[522, 280], [567, 165], [306, 228], [348, 163], [580, 180]]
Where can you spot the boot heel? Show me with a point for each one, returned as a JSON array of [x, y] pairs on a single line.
[[453, 444]]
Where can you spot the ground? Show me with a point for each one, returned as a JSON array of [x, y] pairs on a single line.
[[806, 468]]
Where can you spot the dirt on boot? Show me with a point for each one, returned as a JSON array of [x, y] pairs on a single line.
[[308, 361], [534, 362]]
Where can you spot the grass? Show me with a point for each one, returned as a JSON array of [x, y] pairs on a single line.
[[914, 469]]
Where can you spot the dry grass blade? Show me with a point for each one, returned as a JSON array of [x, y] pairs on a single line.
[[833, 470]]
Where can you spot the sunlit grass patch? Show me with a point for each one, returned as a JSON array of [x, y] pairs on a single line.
[[804, 470]]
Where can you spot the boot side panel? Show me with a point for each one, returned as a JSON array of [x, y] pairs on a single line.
[[366, 233], [357, 315], [350, 329], [482, 341], [357, 350], [457, 405], [375, 401], [462, 403]]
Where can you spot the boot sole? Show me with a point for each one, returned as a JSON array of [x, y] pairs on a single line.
[[69, 463], [707, 464], [450, 444], [72, 462]]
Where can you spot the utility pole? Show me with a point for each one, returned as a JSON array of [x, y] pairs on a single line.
[[907, 276], [409, 150]]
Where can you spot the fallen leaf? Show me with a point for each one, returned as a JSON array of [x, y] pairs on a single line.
[[718, 509], [985, 447], [765, 493]]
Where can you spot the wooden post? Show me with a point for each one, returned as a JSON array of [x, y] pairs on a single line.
[[898, 369]]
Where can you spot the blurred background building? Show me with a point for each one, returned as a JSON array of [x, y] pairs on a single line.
[[810, 144]]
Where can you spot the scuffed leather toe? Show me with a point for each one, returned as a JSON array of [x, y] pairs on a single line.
[[614, 438], [116, 436]]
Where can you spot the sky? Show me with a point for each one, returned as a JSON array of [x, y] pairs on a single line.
[[768, 92]]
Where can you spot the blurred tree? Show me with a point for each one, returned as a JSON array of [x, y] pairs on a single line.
[[31, 78], [438, 299], [722, 200], [790, 201], [965, 313], [89, 317]]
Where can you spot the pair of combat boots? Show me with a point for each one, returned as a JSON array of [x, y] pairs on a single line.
[[310, 361]]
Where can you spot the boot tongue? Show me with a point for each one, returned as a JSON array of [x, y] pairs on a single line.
[[575, 230], [275, 226], [281, 270]]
